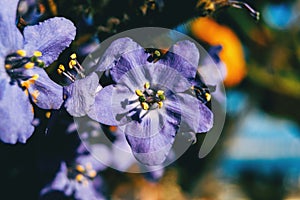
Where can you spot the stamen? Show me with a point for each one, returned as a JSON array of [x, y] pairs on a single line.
[[92, 174], [21, 52], [48, 114], [147, 85], [139, 93], [37, 54], [80, 168], [157, 53], [73, 56], [61, 71], [160, 92], [8, 66], [145, 106], [29, 65], [79, 178], [160, 104], [72, 63], [208, 96]]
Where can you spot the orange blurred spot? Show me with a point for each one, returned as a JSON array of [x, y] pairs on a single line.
[[232, 54], [113, 128]]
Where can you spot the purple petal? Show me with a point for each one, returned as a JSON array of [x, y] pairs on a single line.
[[81, 95], [180, 64], [128, 61], [195, 116], [101, 110], [50, 37], [114, 51], [16, 113], [49, 94], [187, 50], [150, 146], [10, 37]]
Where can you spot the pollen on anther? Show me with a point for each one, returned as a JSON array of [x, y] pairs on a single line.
[[79, 177], [80, 168], [35, 77], [207, 96], [29, 65], [21, 52], [145, 106], [160, 92], [147, 85], [48, 114], [73, 56], [139, 93], [92, 174], [72, 63], [160, 104], [7, 66], [37, 54]]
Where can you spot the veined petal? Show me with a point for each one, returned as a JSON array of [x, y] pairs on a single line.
[[114, 52], [50, 37], [101, 110], [16, 114], [10, 37], [44, 92], [127, 62], [81, 95], [195, 116], [150, 148], [180, 64], [187, 50]]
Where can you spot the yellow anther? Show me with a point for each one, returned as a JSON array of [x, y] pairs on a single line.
[[7, 66], [34, 77], [35, 95], [80, 168], [207, 96], [48, 115], [139, 93], [61, 67], [79, 178], [145, 106], [37, 54], [147, 85], [25, 84], [73, 56], [160, 104], [29, 65], [160, 92], [21, 52], [92, 174], [72, 63], [89, 166], [157, 53]]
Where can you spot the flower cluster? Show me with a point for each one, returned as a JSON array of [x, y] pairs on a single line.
[[23, 80]]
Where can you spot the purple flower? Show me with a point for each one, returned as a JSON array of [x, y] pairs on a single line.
[[151, 99], [22, 80], [80, 181]]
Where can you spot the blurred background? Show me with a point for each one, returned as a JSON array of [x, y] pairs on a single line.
[[258, 154]]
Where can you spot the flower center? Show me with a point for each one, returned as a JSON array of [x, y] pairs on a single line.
[[18, 62], [149, 97], [82, 173]]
